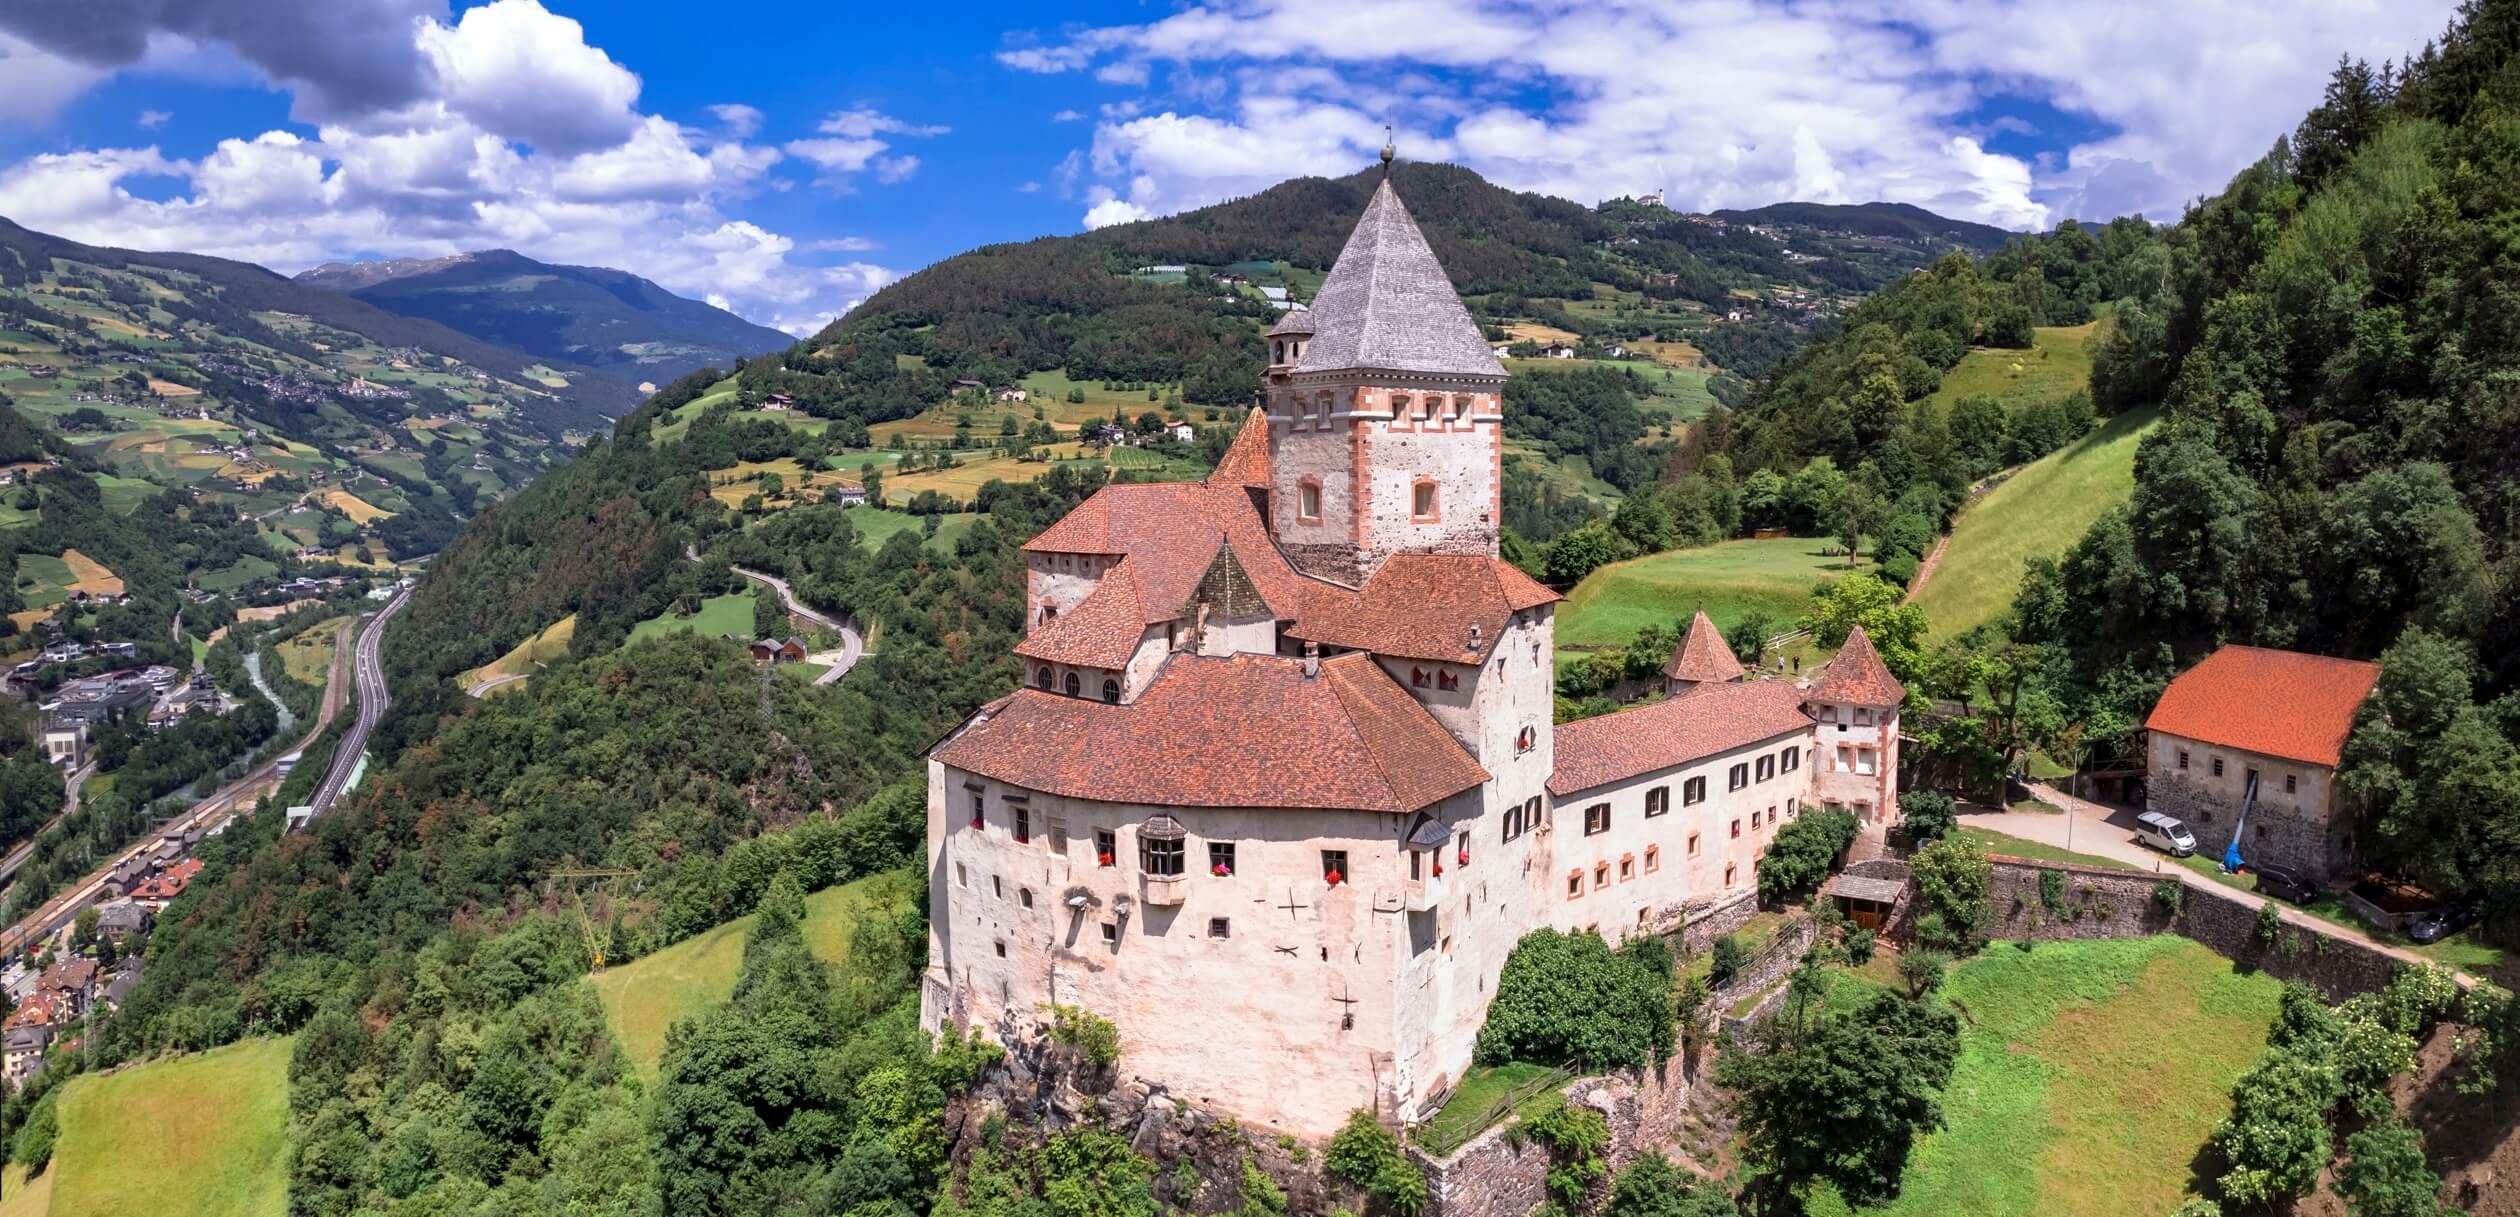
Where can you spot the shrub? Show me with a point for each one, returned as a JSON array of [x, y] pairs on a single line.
[[1651, 1186], [2276, 1139], [2385, 1175], [2270, 924], [1729, 956], [1929, 815], [1364, 1154], [2052, 892], [1570, 999], [1090, 1034], [1951, 883], [1800, 855], [1859, 946], [2170, 894], [1923, 970], [1576, 1136]]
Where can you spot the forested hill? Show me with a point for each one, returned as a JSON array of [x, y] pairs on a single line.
[[581, 314], [1184, 299], [1905, 221]]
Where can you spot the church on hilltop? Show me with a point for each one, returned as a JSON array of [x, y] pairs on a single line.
[[1282, 791]]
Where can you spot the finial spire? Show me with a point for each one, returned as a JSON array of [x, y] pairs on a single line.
[[1389, 150]]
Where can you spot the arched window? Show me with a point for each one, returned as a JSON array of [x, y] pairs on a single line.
[[1424, 506], [1041, 678], [1279, 349], [1071, 684], [1524, 739], [1111, 689]]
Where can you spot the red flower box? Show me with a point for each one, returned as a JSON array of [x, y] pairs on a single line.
[[1465, 857], [1439, 870], [977, 822], [1333, 878], [1103, 859], [1221, 871]]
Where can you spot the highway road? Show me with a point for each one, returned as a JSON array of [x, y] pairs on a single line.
[[852, 647], [227, 800], [368, 671]]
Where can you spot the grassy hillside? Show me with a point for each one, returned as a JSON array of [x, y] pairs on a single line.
[[203, 1135], [2040, 511], [2090, 1074], [719, 615], [1728, 580], [20, 1197], [2057, 364], [521, 660], [644, 997]]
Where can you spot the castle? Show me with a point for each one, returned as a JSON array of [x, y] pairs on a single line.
[[1282, 790]]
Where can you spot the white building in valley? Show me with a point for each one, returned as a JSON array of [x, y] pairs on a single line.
[[1282, 789]]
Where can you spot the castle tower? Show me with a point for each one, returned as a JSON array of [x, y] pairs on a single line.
[[1386, 432]]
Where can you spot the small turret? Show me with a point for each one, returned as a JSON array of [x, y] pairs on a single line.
[[1287, 340]]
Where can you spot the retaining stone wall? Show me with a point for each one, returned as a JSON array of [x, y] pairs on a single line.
[[1499, 1175], [2105, 903]]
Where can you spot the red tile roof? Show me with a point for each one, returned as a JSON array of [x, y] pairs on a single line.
[[1857, 677], [1246, 460], [1171, 532], [1233, 731], [1422, 606], [2275, 703], [1101, 632], [1703, 656], [1701, 722], [40, 1009]]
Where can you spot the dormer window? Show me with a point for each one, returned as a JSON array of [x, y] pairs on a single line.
[[1041, 678], [1447, 680], [1417, 678], [1071, 684]]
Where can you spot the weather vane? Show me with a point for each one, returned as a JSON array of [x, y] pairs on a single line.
[[1388, 150]]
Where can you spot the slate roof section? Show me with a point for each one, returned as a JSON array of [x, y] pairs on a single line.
[[1388, 305], [2276, 703], [1298, 320], [1857, 677], [1704, 721], [1227, 731], [1170, 532], [1246, 461], [1102, 631], [1422, 606], [1703, 656]]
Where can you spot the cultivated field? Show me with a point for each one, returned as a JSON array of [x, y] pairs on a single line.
[[2090, 1075], [307, 657], [1728, 580], [203, 1135], [645, 996], [2039, 512]]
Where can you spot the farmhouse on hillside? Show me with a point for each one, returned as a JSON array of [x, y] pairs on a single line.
[[2261, 731], [1282, 790]]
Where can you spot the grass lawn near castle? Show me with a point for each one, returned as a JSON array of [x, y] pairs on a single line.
[[2090, 1075], [1730, 580], [2040, 511], [644, 997], [204, 1135]]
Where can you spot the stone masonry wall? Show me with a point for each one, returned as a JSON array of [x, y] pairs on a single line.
[[1501, 1175], [2107, 903]]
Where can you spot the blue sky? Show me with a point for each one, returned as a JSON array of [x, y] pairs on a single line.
[[786, 159]]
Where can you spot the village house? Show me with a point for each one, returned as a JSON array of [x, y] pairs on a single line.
[[2259, 731], [155, 893], [22, 1043], [849, 496], [1557, 350], [1282, 789], [1014, 394], [776, 650], [778, 402]]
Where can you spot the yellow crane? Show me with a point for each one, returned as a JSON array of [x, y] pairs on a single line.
[[575, 877]]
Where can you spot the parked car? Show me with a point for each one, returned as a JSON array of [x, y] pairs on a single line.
[[2440, 923], [2165, 833], [2284, 883]]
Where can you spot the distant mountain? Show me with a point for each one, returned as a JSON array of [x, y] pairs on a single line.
[[1899, 221], [583, 314]]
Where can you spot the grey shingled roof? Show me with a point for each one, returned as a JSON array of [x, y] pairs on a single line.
[[1298, 320], [1388, 305]]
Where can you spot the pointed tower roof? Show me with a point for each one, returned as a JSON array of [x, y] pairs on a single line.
[[1703, 657], [1298, 320], [1246, 460], [1858, 677], [1388, 305]]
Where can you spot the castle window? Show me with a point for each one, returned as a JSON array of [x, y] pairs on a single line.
[[1001, 948], [1601, 875], [1627, 868], [1767, 768], [2288, 783], [1692, 792], [1399, 405], [1693, 845], [1596, 819], [1279, 355], [1041, 676], [1792, 761], [1160, 847], [2250, 775], [1218, 927], [1334, 869], [1023, 823], [1657, 800], [1427, 405], [1324, 424], [1863, 716], [1736, 827], [1513, 826], [1754, 817], [1070, 684], [1111, 689], [962, 878], [997, 887], [1792, 808], [1106, 847], [1308, 500], [1461, 406], [2218, 766], [1423, 506], [1447, 680], [1729, 871], [1738, 778], [1221, 859], [1574, 884], [2182, 758], [1111, 932], [1863, 760], [1653, 858], [1024, 894], [1417, 678], [1524, 739]]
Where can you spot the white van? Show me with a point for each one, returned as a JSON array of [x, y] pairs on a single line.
[[2165, 833]]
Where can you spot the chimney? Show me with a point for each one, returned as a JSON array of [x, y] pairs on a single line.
[[1312, 660]]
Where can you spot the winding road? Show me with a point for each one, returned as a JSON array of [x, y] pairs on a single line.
[[852, 647], [368, 670]]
